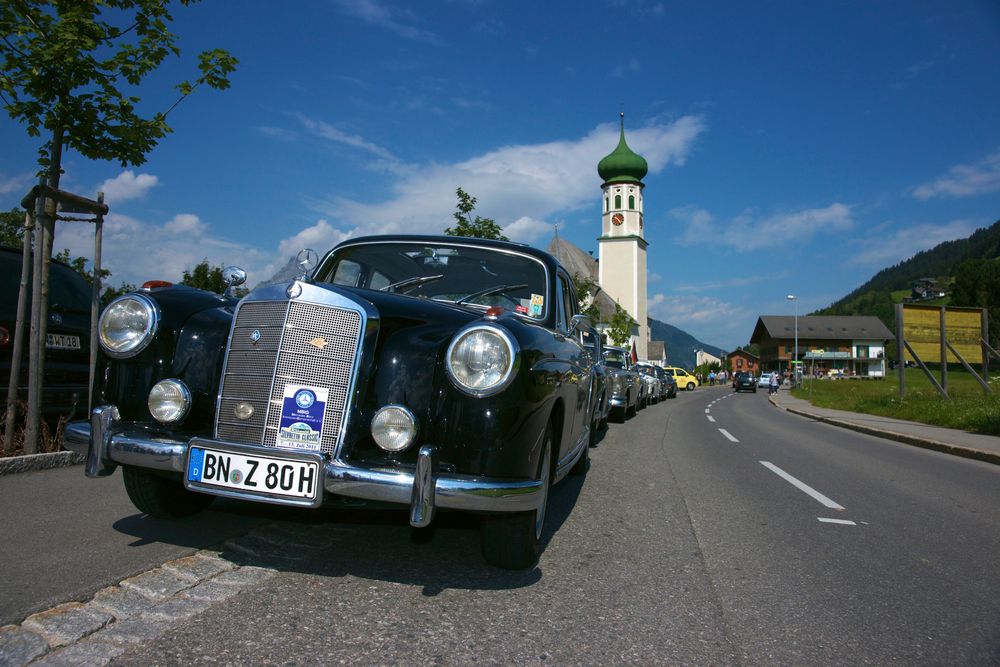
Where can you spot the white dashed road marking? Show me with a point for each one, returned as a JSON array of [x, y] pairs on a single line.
[[801, 486], [728, 435], [711, 418], [843, 522]]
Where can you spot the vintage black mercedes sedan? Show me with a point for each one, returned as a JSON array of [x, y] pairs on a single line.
[[429, 372]]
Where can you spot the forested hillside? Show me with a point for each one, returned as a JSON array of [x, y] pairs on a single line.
[[941, 263]]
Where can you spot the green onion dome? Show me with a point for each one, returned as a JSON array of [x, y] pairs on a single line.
[[622, 165]]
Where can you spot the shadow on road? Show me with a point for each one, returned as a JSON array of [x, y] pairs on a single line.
[[371, 543]]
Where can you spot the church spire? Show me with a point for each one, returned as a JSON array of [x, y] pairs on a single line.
[[622, 165]]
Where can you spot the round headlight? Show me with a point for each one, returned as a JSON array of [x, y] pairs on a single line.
[[481, 360], [394, 428], [127, 325], [169, 401]]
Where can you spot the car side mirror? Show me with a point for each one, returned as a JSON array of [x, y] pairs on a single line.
[[579, 323], [233, 276]]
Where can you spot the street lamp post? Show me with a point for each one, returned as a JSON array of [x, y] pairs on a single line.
[[795, 352]]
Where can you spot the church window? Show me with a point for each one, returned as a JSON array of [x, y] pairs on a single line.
[[618, 201], [631, 201]]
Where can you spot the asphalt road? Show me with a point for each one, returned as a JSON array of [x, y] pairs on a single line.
[[680, 546]]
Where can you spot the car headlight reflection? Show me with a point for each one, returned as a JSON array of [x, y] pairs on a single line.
[[127, 325], [169, 401], [481, 360]]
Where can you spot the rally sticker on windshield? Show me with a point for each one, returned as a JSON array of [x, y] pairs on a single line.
[[301, 425], [537, 301]]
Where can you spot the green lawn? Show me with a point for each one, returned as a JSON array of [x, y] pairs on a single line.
[[968, 407]]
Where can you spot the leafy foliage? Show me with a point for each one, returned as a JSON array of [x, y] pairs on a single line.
[[977, 284], [70, 68], [940, 262], [620, 327], [586, 290], [466, 225], [208, 278], [12, 228]]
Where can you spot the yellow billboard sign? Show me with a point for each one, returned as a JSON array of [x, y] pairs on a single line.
[[963, 329]]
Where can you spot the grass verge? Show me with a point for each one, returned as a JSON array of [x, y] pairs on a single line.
[[967, 407]]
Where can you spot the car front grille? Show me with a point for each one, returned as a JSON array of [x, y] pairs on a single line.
[[296, 343]]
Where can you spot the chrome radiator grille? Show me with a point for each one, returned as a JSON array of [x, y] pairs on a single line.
[[297, 343]]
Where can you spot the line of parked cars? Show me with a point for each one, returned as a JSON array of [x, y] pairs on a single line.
[[426, 372]]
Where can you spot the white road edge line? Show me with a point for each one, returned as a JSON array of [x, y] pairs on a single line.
[[728, 435], [843, 522], [801, 486], [710, 418]]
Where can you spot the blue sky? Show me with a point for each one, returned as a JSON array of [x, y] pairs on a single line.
[[794, 147]]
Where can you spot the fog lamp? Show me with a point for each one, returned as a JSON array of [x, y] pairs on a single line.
[[169, 401], [394, 427]]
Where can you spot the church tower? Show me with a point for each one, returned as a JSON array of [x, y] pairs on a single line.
[[622, 248]]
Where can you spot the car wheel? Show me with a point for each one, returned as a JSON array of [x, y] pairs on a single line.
[[512, 541], [162, 498], [690, 386], [631, 411]]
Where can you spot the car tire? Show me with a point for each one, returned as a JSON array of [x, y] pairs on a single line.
[[690, 386], [162, 498], [513, 541], [631, 411]]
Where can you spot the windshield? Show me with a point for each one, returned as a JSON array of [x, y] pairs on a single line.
[[614, 358], [475, 276]]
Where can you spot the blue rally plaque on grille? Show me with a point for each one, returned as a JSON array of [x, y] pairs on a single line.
[[302, 409]]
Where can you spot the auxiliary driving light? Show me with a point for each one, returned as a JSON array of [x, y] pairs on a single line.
[[169, 401], [394, 428]]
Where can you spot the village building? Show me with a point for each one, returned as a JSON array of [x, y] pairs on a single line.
[[844, 346], [743, 361]]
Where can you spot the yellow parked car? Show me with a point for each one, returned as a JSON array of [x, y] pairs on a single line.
[[684, 379]]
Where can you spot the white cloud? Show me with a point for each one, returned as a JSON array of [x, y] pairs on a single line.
[[889, 248], [963, 180], [327, 131], [709, 319], [748, 231], [185, 223], [379, 14], [127, 185], [624, 69], [527, 230], [19, 183], [513, 182]]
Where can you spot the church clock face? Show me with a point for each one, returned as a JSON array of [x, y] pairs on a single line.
[[617, 219]]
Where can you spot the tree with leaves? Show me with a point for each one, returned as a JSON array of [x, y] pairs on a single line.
[[209, 278], [466, 225], [586, 290], [12, 228], [620, 327], [70, 69]]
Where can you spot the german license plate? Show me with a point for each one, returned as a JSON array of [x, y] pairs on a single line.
[[62, 342], [283, 479]]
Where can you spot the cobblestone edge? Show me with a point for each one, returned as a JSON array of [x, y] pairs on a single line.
[[137, 609]]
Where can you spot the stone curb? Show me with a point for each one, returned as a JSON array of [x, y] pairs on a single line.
[[925, 443], [138, 609], [10, 465]]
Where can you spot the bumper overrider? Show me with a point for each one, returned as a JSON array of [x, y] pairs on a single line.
[[107, 444]]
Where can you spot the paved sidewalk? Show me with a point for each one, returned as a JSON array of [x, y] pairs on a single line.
[[948, 440]]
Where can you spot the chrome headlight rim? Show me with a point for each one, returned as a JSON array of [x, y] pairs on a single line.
[[513, 353], [180, 390], [152, 312], [397, 409]]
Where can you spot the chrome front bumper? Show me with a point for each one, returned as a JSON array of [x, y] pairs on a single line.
[[106, 445]]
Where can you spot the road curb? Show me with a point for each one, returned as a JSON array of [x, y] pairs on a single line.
[[12, 465], [925, 443]]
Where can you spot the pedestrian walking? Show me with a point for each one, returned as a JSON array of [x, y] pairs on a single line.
[[774, 383]]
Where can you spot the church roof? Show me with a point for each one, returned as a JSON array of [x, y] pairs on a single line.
[[622, 165]]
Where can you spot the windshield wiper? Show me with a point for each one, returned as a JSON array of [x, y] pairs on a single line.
[[488, 291], [410, 282]]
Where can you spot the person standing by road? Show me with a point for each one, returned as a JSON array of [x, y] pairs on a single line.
[[774, 383]]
